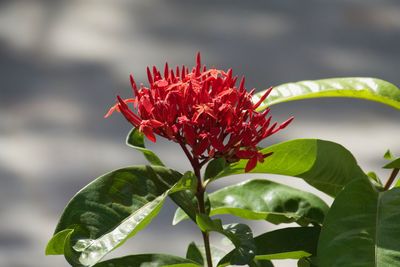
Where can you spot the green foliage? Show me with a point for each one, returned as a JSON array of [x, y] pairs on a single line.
[[113, 208], [388, 155], [239, 234], [394, 164], [214, 167], [135, 139], [193, 253], [275, 245], [197, 253], [288, 243], [266, 200], [307, 262], [325, 165], [356, 87], [188, 206], [57, 243], [153, 260], [374, 179], [361, 228]]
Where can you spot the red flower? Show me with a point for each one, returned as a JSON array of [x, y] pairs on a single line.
[[202, 110]]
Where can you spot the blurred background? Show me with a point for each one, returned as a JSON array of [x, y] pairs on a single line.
[[63, 62]]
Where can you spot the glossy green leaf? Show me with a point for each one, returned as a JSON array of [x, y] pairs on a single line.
[[193, 253], [197, 253], [353, 87], [274, 245], [394, 164], [375, 180], [187, 202], [188, 180], [214, 167], [374, 177], [261, 263], [113, 208], [325, 165], [135, 139], [388, 155], [153, 260], [239, 234], [266, 200], [57, 243], [397, 183], [362, 228], [307, 262], [287, 243], [188, 207]]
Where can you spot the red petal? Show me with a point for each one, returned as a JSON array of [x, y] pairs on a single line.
[[147, 104], [128, 114], [216, 143], [155, 123], [251, 164], [198, 59], [264, 96], [134, 87], [286, 123], [161, 83], [149, 76], [201, 147], [241, 86], [166, 70], [190, 135], [245, 154], [116, 107], [148, 132], [111, 110]]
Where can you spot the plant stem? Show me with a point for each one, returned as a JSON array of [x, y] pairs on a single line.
[[391, 178], [200, 196], [201, 203]]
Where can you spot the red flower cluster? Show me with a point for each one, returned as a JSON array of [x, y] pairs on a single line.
[[203, 110]]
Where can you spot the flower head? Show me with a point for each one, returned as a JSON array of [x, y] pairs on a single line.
[[201, 109]]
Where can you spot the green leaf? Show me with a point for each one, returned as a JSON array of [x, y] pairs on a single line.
[[193, 253], [239, 234], [188, 181], [187, 203], [56, 244], [242, 237], [194, 250], [113, 208], [135, 139], [153, 260], [266, 200], [188, 207], [374, 179], [206, 224], [214, 167], [353, 87], [362, 228], [287, 243], [307, 262], [325, 165], [395, 164], [261, 263], [388, 155]]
